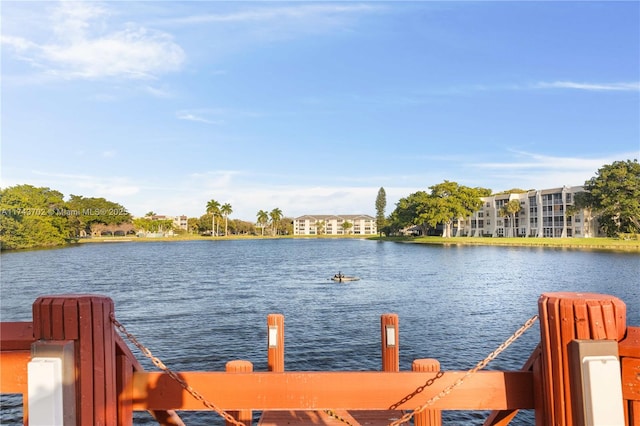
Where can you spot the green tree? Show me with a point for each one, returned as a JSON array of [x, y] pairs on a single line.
[[446, 202], [381, 204], [346, 226], [410, 211], [449, 201], [276, 216], [32, 217], [150, 225], [193, 225], [226, 210], [614, 195], [263, 218], [85, 212], [213, 207]]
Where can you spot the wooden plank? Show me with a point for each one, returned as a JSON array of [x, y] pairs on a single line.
[[16, 336], [486, 390], [596, 321], [99, 365], [634, 413], [57, 319], [71, 315], [538, 393], [108, 354], [309, 418], [47, 327], [631, 379], [545, 410], [582, 320], [609, 321], [620, 312], [13, 371], [567, 333], [84, 364], [124, 377], [556, 360], [630, 345]]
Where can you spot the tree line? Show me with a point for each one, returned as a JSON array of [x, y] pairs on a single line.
[[33, 217], [612, 195], [274, 221], [40, 217]]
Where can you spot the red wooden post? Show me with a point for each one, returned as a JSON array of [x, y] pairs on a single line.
[[629, 351], [240, 366], [390, 343], [275, 342], [429, 417], [563, 318], [85, 319]]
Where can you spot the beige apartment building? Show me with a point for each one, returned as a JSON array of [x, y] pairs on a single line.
[[346, 224], [543, 213]]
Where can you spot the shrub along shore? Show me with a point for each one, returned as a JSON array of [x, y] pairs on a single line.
[[572, 243]]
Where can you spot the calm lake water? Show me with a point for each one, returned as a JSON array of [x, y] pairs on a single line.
[[199, 304]]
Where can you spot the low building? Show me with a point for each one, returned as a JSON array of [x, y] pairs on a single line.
[[346, 224], [543, 213]]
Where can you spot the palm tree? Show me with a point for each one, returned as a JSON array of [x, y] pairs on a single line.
[[275, 215], [263, 217], [226, 210], [213, 207], [510, 210]]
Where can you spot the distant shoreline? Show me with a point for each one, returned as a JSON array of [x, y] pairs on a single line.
[[573, 243], [608, 244]]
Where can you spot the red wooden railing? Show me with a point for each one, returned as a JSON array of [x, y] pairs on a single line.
[[110, 383]]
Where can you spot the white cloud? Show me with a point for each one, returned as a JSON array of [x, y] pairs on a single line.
[[84, 47], [298, 12], [186, 115], [87, 185], [625, 86], [538, 171]]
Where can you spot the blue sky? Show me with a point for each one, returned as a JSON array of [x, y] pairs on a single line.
[[311, 107]]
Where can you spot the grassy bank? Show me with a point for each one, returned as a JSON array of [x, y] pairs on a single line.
[[577, 243], [193, 237]]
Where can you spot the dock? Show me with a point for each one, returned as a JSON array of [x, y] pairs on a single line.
[[73, 364]]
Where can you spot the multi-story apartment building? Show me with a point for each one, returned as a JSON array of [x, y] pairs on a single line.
[[180, 222], [543, 213], [360, 224]]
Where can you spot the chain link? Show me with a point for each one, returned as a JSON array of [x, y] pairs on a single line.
[[336, 416], [158, 363], [479, 366]]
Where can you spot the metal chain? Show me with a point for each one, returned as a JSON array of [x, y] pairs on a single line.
[[158, 363], [479, 366], [335, 415]]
